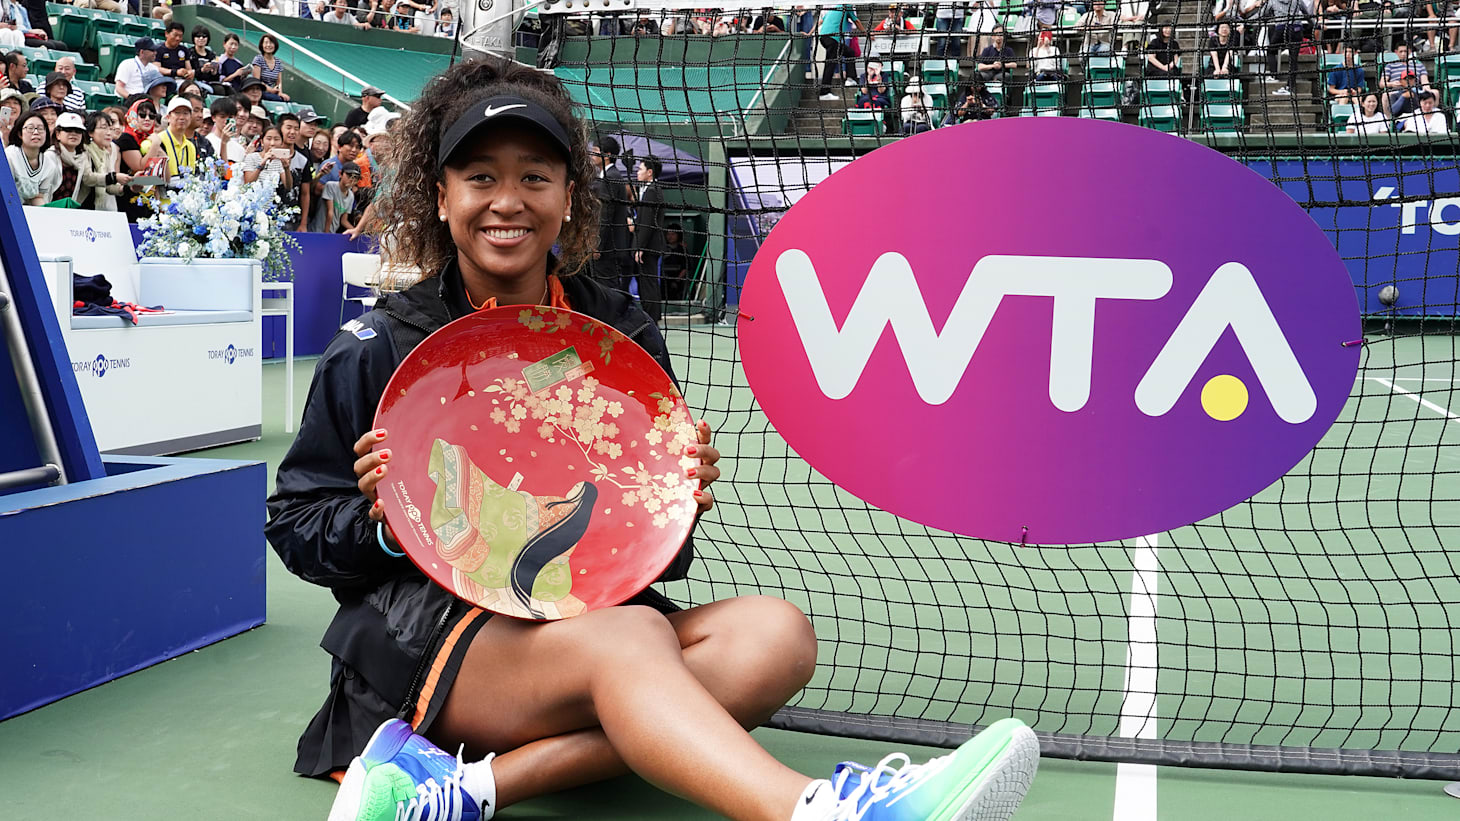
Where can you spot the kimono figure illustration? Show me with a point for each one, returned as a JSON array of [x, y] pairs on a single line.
[[508, 549]]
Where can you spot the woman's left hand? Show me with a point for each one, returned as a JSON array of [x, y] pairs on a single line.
[[705, 471]]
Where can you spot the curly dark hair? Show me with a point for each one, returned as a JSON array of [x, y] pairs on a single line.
[[407, 209]]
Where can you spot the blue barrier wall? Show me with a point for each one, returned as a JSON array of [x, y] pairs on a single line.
[[316, 294]]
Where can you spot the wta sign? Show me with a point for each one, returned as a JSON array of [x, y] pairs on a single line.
[[1051, 352]]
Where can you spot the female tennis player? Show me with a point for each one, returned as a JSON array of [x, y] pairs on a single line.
[[493, 172]]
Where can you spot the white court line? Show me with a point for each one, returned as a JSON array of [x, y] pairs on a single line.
[[1445, 379], [1408, 394], [1135, 784]]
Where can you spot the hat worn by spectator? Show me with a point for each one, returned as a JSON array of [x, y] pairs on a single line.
[[57, 77], [498, 109], [145, 44], [307, 115], [371, 91], [11, 94], [70, 121], [179, 102], [44, 102], [379, 119], [349, 168], [258, 113], [250, 82]]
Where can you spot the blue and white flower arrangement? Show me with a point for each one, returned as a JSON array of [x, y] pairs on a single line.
[[208, 216]]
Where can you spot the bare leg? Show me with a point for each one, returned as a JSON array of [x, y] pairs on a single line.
[[592, 697]]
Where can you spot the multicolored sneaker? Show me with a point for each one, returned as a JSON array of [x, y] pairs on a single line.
[[983, 780], [403, 777]]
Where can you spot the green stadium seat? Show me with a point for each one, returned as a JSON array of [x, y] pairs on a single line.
[[275, 107], [1100, 94], [1339, 114], [1161, 92], [1161, 118], [1110, 114], [103, 98], [1447, 70], [940, 71], [1222, 89], [863, 122], [1047, 95], [939, 93], [1047, 112], [1105, 68], [84, 70], [1222, 117], [134, 27], [1452, 97], [113, 49], [72, 26]]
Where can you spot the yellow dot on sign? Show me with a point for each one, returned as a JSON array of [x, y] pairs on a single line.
[[1224, 397]]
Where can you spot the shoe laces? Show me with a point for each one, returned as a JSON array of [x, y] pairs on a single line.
[[445, 801], [901, 776]]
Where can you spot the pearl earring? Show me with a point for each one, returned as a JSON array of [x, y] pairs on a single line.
[[442, 216], [567, 218]]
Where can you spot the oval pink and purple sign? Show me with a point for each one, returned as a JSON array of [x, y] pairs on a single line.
[[1049, 330]]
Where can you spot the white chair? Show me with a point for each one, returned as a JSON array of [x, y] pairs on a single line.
[[283, 305], [367, 271]]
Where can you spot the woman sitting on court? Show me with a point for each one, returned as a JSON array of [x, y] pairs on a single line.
[[494, 171]]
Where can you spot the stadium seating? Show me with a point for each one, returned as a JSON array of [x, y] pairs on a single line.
[[1047, 96], [1161, 92], [1161, 117], [1339, 114], [863, 122], [1110, 114], [1100, 94], [1105, 68], [113, 49], [1222, 90], [940, 71], [1222, 117]]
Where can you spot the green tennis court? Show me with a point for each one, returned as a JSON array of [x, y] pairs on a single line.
[[1310, 616]]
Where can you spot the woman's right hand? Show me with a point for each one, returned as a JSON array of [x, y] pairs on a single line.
[[123, 177], [370, 469]]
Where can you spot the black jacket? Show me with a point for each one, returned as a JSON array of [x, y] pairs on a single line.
[[613, 212], [649, 227], [390, 614]]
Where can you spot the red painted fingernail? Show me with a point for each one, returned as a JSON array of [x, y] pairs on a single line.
[[699, 495], [690, 451], [380, 433], [691, 473], [380, 471], [379, 504], [385, 455]]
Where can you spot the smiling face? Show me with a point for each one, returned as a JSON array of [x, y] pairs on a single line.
[[33, 133], [254, 93], [230, 46], [1371, 104], [102, 134], [173, 38], [70, 138], [179, 119], [505, 194], [269, 141]]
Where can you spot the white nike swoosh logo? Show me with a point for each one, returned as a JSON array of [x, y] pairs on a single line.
[[493, 111]]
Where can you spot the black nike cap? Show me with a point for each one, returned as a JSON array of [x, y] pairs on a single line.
[[498, 109]]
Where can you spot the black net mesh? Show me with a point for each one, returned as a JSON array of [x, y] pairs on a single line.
[[1307, 628]]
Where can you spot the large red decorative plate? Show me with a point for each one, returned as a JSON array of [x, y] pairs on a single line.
[[537, 462]]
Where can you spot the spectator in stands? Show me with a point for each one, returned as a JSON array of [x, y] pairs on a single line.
[[231, 70], [319, 148], [58, 88], [268, 163], [916, 109], [976, 103], [674, 266], [253, 127], [1222, 49], [1369, 119], [446, 27], [102, 179], [35, 170], [645, 27], [105, 5], [163, 11], [346, 152], [609, 186], [1045, 59], [370, 99], [175, 141], [1446, 14], [338, 200], [649, 237], [1333, 23], [200, 126], [309, 121], [203, 61], [15, 23], [836, 22], [1229, 12], [76, 99], [768, 22], [340, 13], [894, 21], [996, 61], [224, 139], [296, 194], [1044, 13], [251, 90], [1406, 98], [1133, 14], [875, 96], [1346, 83], [1397, 82], [140, 75], [1163, 53], [11, 106], [16, 69], [377, 15], [69, 135], [1427, 121], [1098, 27], [268, 67], [48, 109], [948, 17], [172, 55], [1288, 25]]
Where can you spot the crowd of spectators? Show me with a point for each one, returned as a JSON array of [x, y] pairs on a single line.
[[190, 106]]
